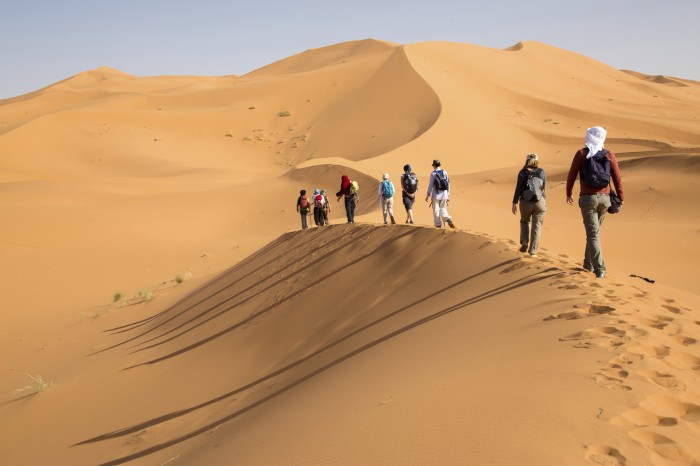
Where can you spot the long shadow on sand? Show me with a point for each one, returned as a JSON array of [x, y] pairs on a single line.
[[347, 241], [257, 314], [524, 281]]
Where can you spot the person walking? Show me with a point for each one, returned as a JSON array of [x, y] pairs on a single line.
[[318, 201], [439, 195], [303, 207], [595, 167], [386, 198], [530, 192], [351, 197], [409, 186], [326, 208]]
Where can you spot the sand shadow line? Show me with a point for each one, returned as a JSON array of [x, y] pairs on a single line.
[[209, 309], [245, 262], [271, 375], [483, 296], [255, 315]]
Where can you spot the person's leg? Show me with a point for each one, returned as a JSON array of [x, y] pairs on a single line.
[[593, 213], [526, 209], [348, 209], [390, 209], [539, 210], [436, 213], [352, 210], [384, 209], [444, 214], [304, 224]]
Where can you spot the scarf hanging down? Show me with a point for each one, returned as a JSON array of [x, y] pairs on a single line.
[[595, 137]]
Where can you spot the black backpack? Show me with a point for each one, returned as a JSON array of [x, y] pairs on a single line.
[[441, 181], [534, 187], [595, 170], [410, 183]]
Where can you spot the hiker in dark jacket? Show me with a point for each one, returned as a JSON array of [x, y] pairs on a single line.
[[594, 202], [530, 194]]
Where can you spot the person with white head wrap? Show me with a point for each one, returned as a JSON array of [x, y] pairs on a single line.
[[593, 201], [595, 138]]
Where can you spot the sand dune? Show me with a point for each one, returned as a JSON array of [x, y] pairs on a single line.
[[238, 339]]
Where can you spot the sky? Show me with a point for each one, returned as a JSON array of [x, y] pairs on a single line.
[[45, 41]]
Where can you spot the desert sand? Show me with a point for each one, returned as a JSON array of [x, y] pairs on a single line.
[[162, 306]]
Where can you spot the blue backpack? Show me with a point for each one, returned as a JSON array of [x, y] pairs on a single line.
[[387, 189], [595, 170], [441, 181]]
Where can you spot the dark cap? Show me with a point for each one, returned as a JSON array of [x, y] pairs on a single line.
[[407, 168]]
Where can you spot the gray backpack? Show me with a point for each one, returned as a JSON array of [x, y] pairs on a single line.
[[535, 186]]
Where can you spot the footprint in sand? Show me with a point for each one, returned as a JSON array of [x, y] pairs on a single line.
[[672, 309], [518, 265], [663, 380], [662, 446], [668, 406], [683, 360], [651, 350], [605, 455], [611, 383], [579, 312], [641, 417]]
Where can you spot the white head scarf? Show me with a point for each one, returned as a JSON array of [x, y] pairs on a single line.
[[595, 137]]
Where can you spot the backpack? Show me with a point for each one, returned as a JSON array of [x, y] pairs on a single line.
[[441, 181], [387, 189], [304, 202], [534, 190], [318, 201], [595, 170], [354, 187], [409, 182]]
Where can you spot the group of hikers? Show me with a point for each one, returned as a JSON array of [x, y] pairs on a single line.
[[595, 166]]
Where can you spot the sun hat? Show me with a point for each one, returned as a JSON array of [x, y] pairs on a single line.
[[385, 176]]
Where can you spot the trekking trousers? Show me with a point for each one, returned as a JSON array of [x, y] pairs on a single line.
[[532, 212], [593, 210], [440, 212], [387, 207], [350, 208]]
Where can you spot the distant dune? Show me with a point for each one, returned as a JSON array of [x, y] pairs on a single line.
[[162, 305]]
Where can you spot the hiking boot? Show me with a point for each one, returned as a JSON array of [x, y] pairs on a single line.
[[587, 268], [600, 274], [393, 222], [449, 222], [523, 247], [533, 253]]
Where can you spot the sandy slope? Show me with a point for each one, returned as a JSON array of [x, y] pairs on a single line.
[[359, 348]]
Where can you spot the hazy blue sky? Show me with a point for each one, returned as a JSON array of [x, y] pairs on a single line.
[[44, 41]]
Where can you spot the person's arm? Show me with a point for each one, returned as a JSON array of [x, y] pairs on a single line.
[[518, 192], [431, 184], [573, 174], [298, 203]]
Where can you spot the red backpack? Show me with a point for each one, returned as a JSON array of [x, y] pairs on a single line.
[[304, 203], [318, 201]]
